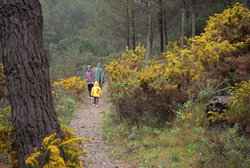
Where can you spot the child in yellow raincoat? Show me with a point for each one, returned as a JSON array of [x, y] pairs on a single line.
[[96, 92]]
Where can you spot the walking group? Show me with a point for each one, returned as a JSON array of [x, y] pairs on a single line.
[[95, 80]]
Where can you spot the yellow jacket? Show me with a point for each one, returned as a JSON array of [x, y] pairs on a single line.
[[96, 90]]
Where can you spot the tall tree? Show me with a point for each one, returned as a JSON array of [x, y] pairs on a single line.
[[149, 29], [193, 17], [183, 19], [247, 3], [128, 23], [165, 30], [27, 72], [160, 22], [133, 27]]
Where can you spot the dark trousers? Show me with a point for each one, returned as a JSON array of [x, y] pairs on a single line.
[[90, 88], [96, 100]]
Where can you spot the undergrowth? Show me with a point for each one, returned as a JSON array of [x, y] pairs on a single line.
[[187, 142]]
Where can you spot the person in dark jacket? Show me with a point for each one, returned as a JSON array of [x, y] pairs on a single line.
[[90, 76], [99, 74]]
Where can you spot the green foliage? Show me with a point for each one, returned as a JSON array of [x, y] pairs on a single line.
[[239, 103], [150, 146], [180, 146], [48, 154], [227, 149], [142, 91], [7, 150], [71, 55], [65, 109]]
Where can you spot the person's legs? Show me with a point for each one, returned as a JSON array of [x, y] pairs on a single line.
[[95, 100], [89, 89]]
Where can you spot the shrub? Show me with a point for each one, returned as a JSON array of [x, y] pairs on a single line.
[[226, 149], [65, 109], [48, 155], [239, 104], [7, 148], [142, 90], [72, 85], [139, 91]]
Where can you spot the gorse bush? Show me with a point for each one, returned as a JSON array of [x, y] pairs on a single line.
[[239, 104], [72, 85], [138, 89], [7, 149], [141, 90], [49, 156]]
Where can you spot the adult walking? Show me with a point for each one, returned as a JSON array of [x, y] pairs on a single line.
[[99, 74], [90, 76]]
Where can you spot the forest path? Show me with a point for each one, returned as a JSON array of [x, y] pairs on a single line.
[[86, 124]]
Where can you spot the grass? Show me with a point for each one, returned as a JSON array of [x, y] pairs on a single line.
[[148, 146], [185, 143], [66, 105]]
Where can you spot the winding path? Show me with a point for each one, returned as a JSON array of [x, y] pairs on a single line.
[[85, 124]]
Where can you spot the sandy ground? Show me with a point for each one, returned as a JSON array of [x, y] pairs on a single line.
[[85, 124]]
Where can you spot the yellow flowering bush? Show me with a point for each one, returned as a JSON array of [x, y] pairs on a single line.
[[49, 156], [140, 88], [216, 51], [72, 85], [215, 116], [6, 137], [137, 84], [239, 104]]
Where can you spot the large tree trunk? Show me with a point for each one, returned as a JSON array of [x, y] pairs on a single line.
[[27, 72], [193, 18], [160, 20], [128, 26], [183, 18], [149, 29], [133, 28]]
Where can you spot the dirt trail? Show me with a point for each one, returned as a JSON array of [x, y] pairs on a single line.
[[85, 124]]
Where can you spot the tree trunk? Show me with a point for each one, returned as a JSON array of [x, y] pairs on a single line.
[[183, 18], [160, 20], [165, 28], [248, 3], [193, 18], [128, 29], [133, 28], [27, 72], [149, 29]]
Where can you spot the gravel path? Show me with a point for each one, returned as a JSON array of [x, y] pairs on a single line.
[[85, 124]]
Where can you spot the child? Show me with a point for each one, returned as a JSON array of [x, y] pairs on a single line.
[[96, 92]]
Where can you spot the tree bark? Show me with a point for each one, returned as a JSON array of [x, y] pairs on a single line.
[[160, 20], [193, 18], [27, 72], [183, 18], [133, 28], [149, 29], [128, 24]]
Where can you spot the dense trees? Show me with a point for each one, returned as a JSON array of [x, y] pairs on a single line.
[[171, 20], [27, 75], [112, 24]]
